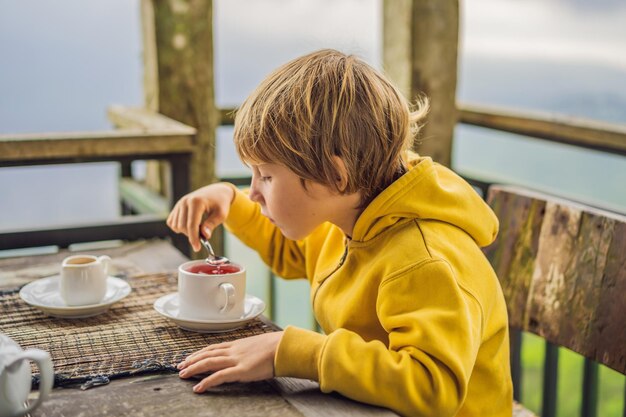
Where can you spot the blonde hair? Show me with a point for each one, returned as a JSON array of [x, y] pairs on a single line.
[[327, 104]]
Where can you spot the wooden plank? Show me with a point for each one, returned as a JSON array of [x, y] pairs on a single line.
[[92, 145], [167, 396], [609, 318], [610, 137], [433, 45], [306, 396], [124, 117], [513, 254], [576, 256], [555, 254]]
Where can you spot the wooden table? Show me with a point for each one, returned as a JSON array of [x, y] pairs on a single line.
[[167, 394]]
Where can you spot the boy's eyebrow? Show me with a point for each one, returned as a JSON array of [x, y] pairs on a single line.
[[264, 165]]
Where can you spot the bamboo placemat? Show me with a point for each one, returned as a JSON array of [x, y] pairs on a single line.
[[130, 338]]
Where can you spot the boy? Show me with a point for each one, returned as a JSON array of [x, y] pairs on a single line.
[[413, 315]]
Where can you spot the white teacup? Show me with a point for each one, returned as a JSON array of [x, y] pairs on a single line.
[[84, 279], [211, 295]]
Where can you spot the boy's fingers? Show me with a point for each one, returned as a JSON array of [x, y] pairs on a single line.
[[181, 215], [196, 357], [171, 218], [193, 221], [206, 365], [207, 228], [217, 346], [217, 378]]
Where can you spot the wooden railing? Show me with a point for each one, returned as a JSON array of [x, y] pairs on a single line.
[[142, 135], [591, 134]]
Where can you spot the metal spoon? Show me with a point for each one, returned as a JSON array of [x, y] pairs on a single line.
[[212, 259]]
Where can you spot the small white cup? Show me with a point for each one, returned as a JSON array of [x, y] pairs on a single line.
[[84, 279], [215, 296]]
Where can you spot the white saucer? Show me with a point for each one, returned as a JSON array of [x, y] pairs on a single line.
[[45, 295], [167, 306]]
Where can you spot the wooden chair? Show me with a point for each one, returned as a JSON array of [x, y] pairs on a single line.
[[562, 267]]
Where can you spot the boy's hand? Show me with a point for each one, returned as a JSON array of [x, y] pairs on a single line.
[[243, 360], [186, 216]]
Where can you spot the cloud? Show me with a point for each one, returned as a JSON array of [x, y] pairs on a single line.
[[535, 29]]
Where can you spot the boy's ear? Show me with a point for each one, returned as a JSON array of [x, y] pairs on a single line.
[[342, 180]]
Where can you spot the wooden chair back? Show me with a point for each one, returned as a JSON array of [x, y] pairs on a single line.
[[562, 267]]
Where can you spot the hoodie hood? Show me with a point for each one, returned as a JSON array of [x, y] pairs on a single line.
[[428, 191]]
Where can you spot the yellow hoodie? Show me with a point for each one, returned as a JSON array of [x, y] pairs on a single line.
[[414, 316]]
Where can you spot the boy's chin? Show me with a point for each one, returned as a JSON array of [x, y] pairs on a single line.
[[292, 235]]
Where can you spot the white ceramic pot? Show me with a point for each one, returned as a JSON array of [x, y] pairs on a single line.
[[15, 377]]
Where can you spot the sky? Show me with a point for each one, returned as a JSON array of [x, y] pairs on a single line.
[[565, 30]]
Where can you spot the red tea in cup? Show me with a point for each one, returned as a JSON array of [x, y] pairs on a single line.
[[209, 269]]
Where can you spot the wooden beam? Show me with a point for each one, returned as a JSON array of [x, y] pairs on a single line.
[[397, 37], [156, 172], [156, 189], [93, 145], [227, 116], [185, 77], [124, 117], [585, 133], [430, 64], [150, 66]]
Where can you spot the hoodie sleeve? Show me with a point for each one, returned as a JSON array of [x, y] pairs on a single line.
[[434, 329], [284, 256]]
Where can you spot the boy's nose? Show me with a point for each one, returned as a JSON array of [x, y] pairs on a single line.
[[254, 194]]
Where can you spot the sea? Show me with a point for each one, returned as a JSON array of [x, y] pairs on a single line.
[[63, 62]]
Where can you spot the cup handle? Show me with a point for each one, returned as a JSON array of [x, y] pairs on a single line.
[[106, 262], [43, 361], [229, 292]]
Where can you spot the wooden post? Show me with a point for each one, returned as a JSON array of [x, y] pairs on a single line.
[[420, 42], [179, 75]]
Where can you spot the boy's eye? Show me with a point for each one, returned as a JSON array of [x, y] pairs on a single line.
[[265, 178]]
